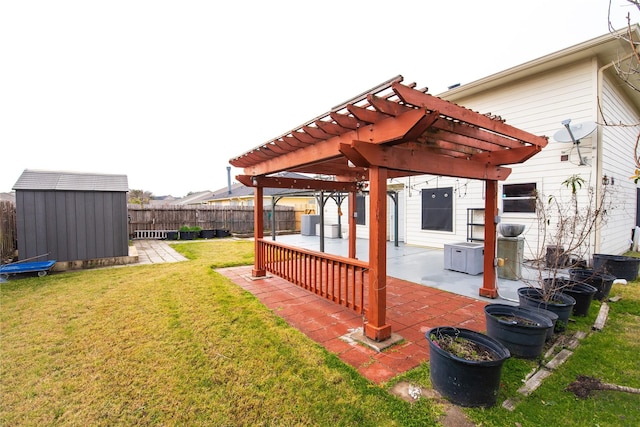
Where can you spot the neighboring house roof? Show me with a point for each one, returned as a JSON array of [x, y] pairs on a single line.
[[239, 190], [163, 201], [194, 198], [9, 197], [608, 49], [70, 181]]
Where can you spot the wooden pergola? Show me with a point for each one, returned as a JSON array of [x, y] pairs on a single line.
[[392, 130]]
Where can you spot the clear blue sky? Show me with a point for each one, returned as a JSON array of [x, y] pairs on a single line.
[[167, 92]]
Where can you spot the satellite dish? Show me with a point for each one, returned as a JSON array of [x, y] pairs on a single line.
[[578, 131], [574, 133]]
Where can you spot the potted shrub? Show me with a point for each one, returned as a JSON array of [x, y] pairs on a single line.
[[521, 330], [465, 366], [566, 223], [189, 233]]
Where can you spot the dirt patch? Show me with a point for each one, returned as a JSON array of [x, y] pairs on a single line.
[[584, 385], [453, 415]]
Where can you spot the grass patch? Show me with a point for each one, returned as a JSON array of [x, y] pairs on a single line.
[[610, 355], [172, 344], [179, 344]]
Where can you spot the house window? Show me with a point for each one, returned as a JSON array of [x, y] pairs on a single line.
[[361, 209], [520, 198], [437, 209]]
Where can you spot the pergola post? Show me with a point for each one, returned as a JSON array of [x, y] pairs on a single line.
[[376, 327], [488, 288], [352, 224], [258, 232]]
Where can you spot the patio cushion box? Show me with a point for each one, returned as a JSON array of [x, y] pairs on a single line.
[[466, 257]]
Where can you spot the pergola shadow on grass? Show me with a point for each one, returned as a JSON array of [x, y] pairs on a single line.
[[392, 130]]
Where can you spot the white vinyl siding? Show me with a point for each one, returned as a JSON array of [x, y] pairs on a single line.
[[466, 194], [617, 162], [538, 105]]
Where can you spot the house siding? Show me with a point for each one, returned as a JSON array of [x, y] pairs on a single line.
[[466, 194], [617, 161], [538, 105]]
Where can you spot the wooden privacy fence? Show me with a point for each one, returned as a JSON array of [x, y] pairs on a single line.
[[8, 231], [338, 279], [235, 219]]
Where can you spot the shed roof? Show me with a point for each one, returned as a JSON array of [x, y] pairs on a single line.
[[70, 181]]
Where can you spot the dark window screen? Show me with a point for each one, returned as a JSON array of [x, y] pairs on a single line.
[[361, 210], [437, 209]]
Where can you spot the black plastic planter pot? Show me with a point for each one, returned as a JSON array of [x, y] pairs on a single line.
[[172, 235], [466, 382], [559, 303], [208, 234], [583, 294], [521, 330], [222, 233], [622, 267], [189, 235], [550, 314], [601, 281]]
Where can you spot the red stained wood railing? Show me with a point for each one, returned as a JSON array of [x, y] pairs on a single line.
[[338, 279]]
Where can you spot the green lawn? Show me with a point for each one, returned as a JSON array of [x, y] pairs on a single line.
[[172, 344], [179, 344]]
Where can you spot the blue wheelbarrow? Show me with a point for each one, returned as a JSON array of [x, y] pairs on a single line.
[[40, 267]]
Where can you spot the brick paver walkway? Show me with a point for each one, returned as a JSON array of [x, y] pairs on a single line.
[[412, 310]]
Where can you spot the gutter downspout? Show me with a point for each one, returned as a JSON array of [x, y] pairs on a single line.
[[599, 145]]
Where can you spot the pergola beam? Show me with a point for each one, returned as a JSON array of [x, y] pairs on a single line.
[[296, 184], [430, 102], [387, 130], [511, 156], [419, 162]]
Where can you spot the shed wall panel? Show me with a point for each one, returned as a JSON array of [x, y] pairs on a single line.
[[71, 217], [90, 225], [40, 237], [82, 246], [71, 225], [99, 225]]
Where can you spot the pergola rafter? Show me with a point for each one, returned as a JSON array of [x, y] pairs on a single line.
[[392, 130]]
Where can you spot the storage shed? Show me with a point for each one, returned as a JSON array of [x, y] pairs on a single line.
[[72, 217]]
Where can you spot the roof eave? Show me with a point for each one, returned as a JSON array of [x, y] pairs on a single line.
[[590, 48]]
